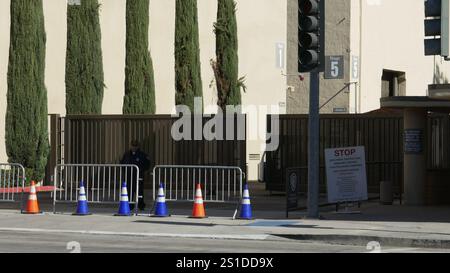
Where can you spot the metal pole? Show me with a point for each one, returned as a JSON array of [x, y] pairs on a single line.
[[313, 144]]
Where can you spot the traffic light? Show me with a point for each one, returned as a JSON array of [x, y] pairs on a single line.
[[311, 35], [437, 26]]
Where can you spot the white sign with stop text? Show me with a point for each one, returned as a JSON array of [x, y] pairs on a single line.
[[346, 174]]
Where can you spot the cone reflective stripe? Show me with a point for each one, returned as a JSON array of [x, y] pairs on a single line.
[[124, 205], [82, 207], [199, 209], [161, 195], [32, 204], [246, 208], [124, 193], [161, 207]]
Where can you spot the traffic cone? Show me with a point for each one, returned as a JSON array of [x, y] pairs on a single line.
[[32, 204], [246, 207], [124, 205], [199, 209], [82, 208], [161, 207]]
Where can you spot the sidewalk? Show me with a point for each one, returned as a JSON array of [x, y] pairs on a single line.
[[400, 226]]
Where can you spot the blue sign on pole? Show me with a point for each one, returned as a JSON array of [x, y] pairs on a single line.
[[413, 139]]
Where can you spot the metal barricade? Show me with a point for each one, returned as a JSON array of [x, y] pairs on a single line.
[[219, 183], [102, 183], [12, 182]]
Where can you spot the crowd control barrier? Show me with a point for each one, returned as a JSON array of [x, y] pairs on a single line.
[[102, 183], [218, 183], [12, 182]]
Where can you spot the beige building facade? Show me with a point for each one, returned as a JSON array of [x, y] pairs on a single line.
[[259, 32], [380, 41]]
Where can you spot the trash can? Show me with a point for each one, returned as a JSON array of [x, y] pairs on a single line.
[[386, 193]]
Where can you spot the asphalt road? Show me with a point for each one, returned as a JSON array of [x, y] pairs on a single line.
[[26, 242]]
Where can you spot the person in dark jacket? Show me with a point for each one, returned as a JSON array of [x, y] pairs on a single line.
[[136, 157]]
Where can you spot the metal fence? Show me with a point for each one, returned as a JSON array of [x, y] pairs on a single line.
[[438, 128], [102, 183], [381, 135], [219, 183], [103, 139], [12, 182]]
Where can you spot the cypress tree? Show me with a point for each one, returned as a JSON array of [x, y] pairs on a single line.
[[188, 83], [226, 65], [26, 115], [84, 64], [139, 80]]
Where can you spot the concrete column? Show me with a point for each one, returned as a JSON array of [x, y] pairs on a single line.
[[415, 161]]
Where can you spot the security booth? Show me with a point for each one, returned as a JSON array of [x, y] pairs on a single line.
[[426, 157]]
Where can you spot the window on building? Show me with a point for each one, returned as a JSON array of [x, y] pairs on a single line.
[[393, 83]]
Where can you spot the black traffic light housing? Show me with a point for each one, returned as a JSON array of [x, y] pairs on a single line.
[[311, 35], [437, 26]]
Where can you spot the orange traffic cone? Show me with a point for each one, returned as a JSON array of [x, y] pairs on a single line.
[[199, 209], [32, 204]]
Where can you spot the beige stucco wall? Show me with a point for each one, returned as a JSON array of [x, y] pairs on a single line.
[[337, 44], [383, 34], [4, 49], [258, 34], [392, 38]]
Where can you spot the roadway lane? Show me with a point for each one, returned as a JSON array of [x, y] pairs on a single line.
[[25, 242]]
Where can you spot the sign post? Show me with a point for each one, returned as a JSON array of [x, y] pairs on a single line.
[[313, 147], [346, 175], [292, 190]]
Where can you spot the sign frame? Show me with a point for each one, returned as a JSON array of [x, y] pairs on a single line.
[[334, 68], [413, 141], [293, 180], [346, 174]]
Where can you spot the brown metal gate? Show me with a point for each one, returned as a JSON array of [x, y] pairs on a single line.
[[381, 135], [103, 139]]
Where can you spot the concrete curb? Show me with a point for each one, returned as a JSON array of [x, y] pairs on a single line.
[[364, 239], [251, 237]]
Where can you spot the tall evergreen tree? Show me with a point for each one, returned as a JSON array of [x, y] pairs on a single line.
[[188, 82], [226, 65], [139, 80], [26, 115], [84, 64]]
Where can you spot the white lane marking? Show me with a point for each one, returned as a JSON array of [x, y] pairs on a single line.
[[138, 234]]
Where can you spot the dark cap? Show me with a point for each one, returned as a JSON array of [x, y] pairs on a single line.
[[135, 143]]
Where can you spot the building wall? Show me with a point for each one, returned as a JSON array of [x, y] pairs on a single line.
[[337, 44], [380, 34], [392, 38], [4, 54], [259, 29]]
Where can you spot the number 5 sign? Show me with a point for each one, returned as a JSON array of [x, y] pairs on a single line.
[[334, 67]]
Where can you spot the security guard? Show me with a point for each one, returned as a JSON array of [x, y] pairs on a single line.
[[136, 157]]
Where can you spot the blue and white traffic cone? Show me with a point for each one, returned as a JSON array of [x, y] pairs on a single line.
[[161, 207], [124, 205], [82, 207], [246, 208]]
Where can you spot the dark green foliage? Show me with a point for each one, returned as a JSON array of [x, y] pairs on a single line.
[[26, 114], [226, 65], [188, 82], [139, 80], [84, 64]]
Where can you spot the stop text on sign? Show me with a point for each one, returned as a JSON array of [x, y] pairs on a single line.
[[344, 152]]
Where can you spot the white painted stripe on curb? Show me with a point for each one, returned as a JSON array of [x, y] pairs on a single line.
[[137, 234]]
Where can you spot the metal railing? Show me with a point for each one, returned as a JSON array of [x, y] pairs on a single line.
[[219, 183], [12, 182], [102, 183]]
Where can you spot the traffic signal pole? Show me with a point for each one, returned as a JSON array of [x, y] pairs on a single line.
[[313, 146], [311, 52]]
